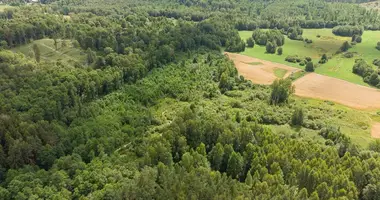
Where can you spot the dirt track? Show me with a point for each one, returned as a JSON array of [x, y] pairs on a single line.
[[261, 73], [375, 131], [327, 88]]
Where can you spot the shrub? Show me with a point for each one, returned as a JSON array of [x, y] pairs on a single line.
[[279, 51], [345, 46], [348, 55], [293, 59], [294, 33], [297, 117], [281, 90], [309, 67], [378, 46], [270, 48], [308, 41], [250, 42], [362, 68], [324, 59], [376, 62], [358, 39]]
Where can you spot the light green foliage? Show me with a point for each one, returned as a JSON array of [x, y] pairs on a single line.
[[281, 90], [280, 73], [66, 53], [298, 116], [338, 66], [161, 114]]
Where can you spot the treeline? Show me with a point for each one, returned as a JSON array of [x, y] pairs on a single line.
[[348, 31], [370, 75], [17, 30]]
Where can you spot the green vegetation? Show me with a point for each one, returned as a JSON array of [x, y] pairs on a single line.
[[135, 100], [4, 7], [66, 52], [310, 67], [255, 63], [337, 66], [280, 73], [347, 31]]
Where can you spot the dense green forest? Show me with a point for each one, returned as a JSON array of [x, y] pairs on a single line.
[[156, 111]]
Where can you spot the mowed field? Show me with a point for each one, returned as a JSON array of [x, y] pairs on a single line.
[[260, 71], [338, 66], [49, 53]]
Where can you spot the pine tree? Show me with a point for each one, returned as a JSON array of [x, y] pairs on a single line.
[[248, 179], [37, 53], [235, 165]]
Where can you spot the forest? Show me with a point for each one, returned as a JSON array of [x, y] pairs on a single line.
[[135, 99]]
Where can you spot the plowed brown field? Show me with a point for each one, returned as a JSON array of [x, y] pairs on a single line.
[[261, 72], [375, 131], [327, 88]]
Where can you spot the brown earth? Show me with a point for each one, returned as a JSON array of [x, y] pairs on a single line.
[[375, 131], [311, 85], [327, 88], [371, 5], [261, 72]]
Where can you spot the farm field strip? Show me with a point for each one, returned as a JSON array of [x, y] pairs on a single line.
[[327, 88], [263, 72], [324, 41]]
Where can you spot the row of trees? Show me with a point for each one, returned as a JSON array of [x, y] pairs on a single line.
[[348, 31], [363, 69], [262, 37]]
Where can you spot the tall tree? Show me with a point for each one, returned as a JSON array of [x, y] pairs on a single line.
[[37, 53]]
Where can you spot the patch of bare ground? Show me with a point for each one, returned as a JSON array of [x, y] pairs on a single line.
[[327, 88], [375, 131], [261, 72]]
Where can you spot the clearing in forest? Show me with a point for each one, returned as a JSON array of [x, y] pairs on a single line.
[[50, 53], [327, 88], [260, 71]]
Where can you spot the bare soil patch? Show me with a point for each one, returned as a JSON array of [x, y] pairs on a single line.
[[262, 72], [327, 88], [372, 5], [375, 131]]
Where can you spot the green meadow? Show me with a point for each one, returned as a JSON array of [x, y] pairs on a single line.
[[324, 41], [3, 7], [49, 53]]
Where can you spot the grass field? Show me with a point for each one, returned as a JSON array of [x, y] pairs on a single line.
[[328, 43], [49, 53], [280, 73], [3, 7]]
